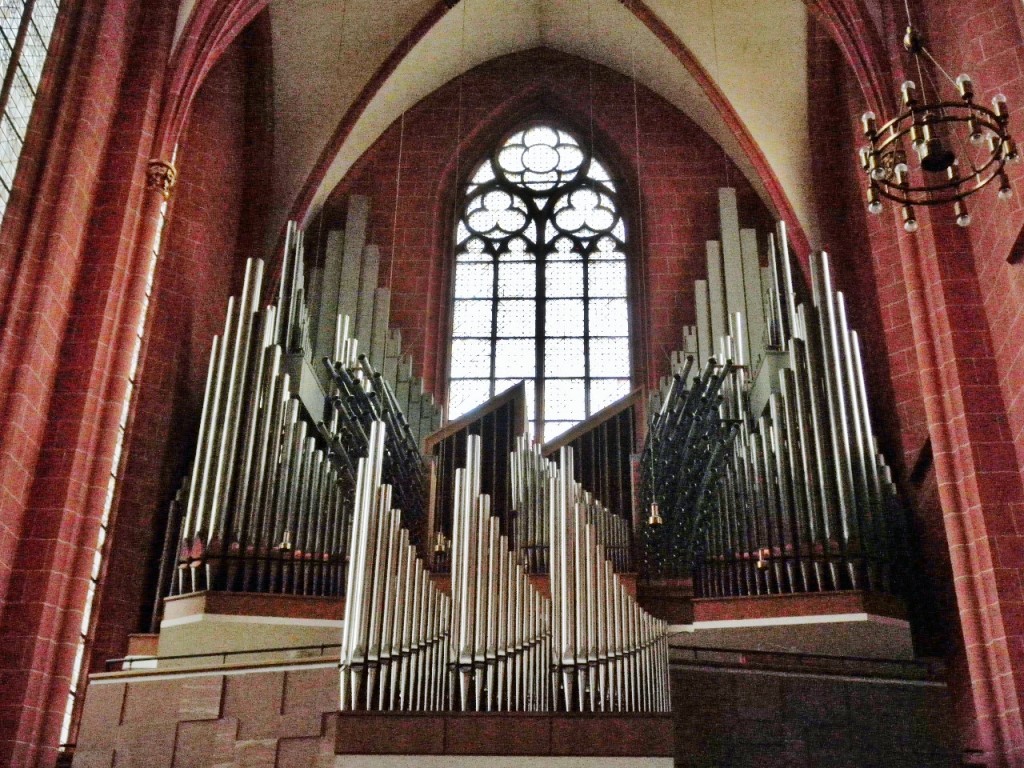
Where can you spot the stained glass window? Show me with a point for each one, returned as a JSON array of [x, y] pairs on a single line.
[[25, 32], [540, 283]]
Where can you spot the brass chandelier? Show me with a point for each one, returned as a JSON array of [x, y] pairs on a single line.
[[961, 146]]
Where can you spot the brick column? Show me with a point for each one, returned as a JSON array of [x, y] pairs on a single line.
[[979, 484]]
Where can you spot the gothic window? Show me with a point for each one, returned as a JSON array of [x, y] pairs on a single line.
[[540, 283], [25, 31]]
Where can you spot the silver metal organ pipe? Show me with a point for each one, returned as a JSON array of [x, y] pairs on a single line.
[[800, 504]]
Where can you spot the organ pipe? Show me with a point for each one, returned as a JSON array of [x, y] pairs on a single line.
[[268, 505], [773, 483], [496, 643]]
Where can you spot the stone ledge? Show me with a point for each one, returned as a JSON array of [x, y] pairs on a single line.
[[505, 733]]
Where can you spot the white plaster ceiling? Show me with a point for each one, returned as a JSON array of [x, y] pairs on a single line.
[[326, 51]]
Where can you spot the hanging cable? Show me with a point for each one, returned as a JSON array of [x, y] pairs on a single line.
[[398, 190], [639, 179]]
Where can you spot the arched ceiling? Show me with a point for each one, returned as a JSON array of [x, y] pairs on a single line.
[[326, 52]]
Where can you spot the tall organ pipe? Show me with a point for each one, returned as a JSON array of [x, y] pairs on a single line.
[[497, 644], [791, 497]]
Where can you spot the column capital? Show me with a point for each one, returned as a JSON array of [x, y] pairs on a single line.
[[161, 175]]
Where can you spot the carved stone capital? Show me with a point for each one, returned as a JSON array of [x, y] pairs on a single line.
[[161, 175]]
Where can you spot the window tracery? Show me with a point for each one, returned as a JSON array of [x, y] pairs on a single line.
[[540, 289]]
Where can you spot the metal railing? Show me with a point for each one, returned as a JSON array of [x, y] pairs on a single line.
[[819, 663], [129, 663]]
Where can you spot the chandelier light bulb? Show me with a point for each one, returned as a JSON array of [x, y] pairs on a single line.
[[868, 122], [965, 86], [874, 201], [974, 132], [910, 224], [999, 106], [1005, 190], [909, 92], [963, 217], [1010, 151]]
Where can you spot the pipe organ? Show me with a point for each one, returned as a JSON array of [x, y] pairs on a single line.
[[498, 643], [499, 423], [531, 475], [269, 501], [770, 483]]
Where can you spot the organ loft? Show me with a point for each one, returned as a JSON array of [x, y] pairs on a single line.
[[511, 382]]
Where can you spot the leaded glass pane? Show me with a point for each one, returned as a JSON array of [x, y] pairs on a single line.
[[472, 249], [564, 357], [474, 281], [565, 399], [471, 357], [609, 317], [466, 394], [564, 317], [516, 249], [515, 358], [564, 250], [604, 392], [608, 248], [607, 278], [472, 318], [517, 317], [496, 214], [609, 357], [517, 279], [553, 429], [563, 279], [585, 212], [32, 55]]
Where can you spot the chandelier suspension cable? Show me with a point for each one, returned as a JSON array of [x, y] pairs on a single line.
[[590, 74], [718, 81], [398, 187], [654, 517], [639, 175]]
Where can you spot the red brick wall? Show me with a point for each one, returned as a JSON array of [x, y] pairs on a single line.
[[984, 40], [681, 169], [951, 316], [70, 298], [200, 266]]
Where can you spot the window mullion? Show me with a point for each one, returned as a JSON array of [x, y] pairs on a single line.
[[540, 331], [16, 49], [494, 319], [586, 329]]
